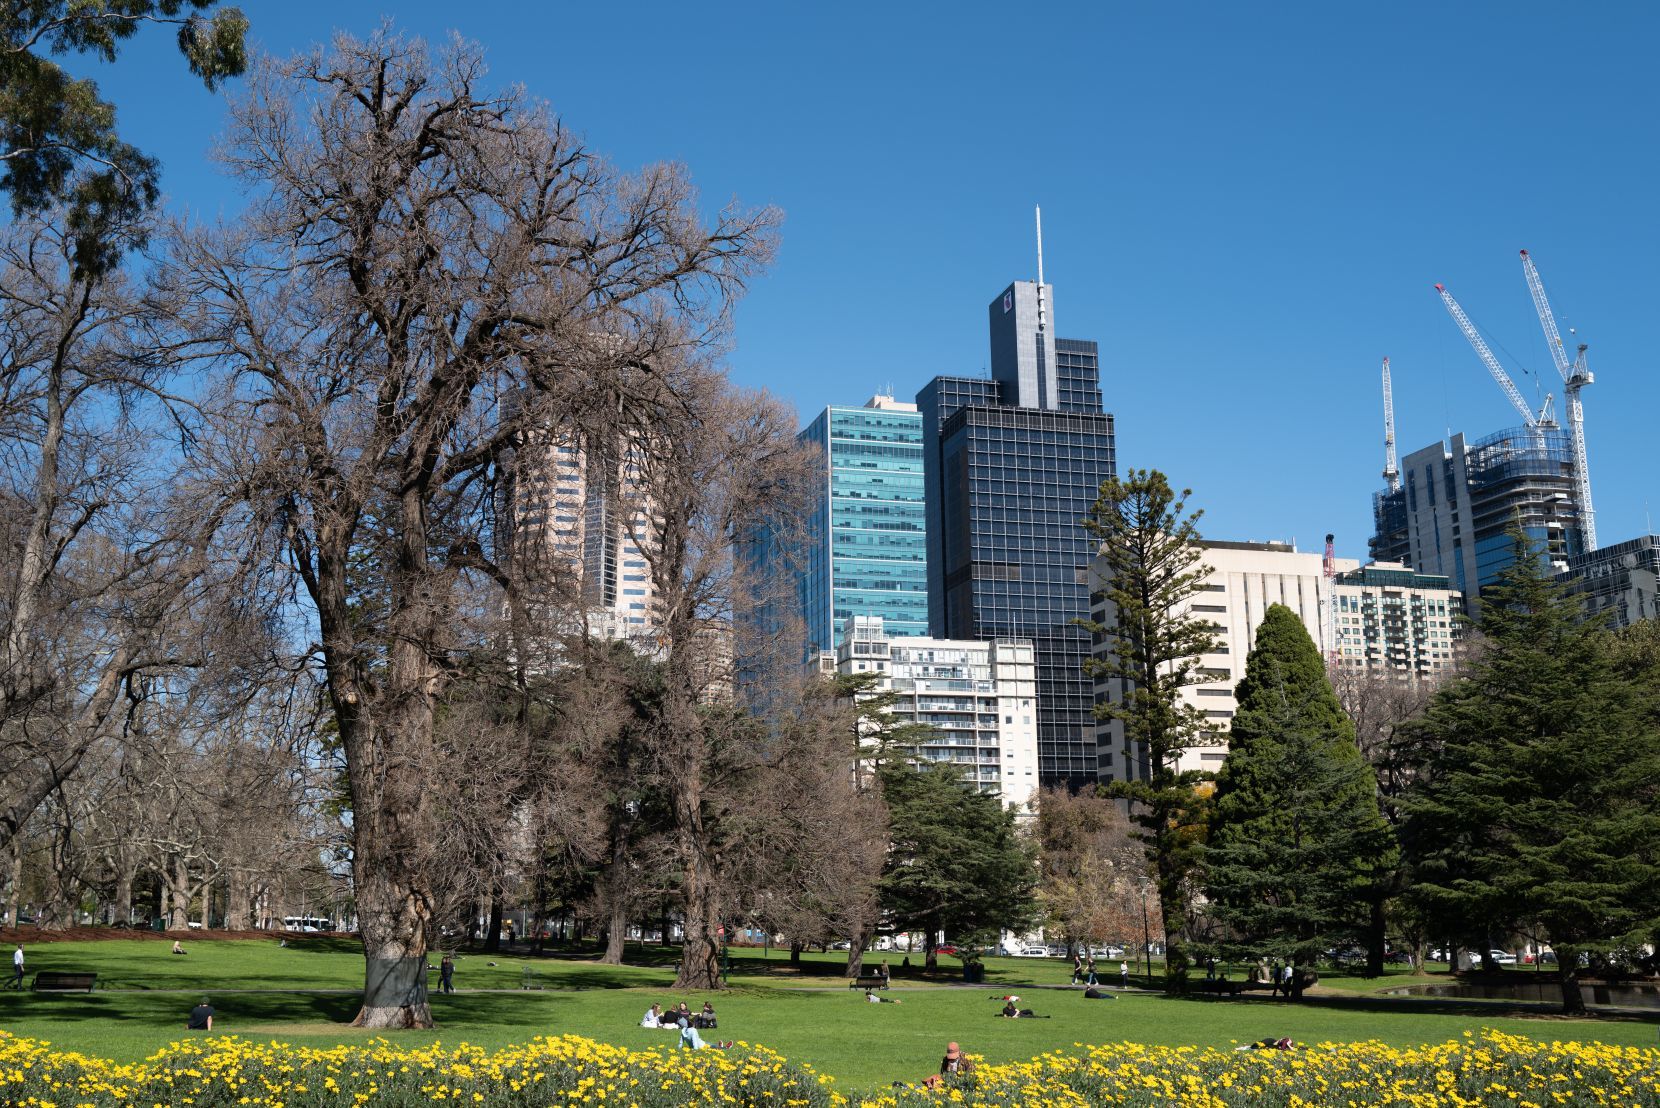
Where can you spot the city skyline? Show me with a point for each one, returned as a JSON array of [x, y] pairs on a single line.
[[1253, 210]]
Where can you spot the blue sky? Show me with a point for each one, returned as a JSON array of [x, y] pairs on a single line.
[[1246, 205]]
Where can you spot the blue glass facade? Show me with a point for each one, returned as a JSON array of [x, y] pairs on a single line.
[[1008, 554], [867, 534]]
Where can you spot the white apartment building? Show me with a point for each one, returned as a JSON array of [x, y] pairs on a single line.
[[1391, 619], [579, 518], [1243, 579], [980, 698]]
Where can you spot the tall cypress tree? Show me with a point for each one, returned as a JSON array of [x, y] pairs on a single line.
[[1536, 801], [1296, 838]]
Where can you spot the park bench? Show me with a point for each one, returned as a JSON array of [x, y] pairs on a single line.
[[1221, 986], [50, 981], [869, 981]]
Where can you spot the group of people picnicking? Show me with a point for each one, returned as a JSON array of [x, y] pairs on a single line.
[[687, 1023]]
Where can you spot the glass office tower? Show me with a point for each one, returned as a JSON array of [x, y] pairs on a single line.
[[1012, 467], [866, 539]]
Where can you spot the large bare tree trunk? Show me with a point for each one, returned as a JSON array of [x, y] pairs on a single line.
[[700, 950], [177, 875], [616, 928]]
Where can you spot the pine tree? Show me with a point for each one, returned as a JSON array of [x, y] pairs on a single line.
[[957, 862], [1296, 838], [1151, 566], [1536, 800]]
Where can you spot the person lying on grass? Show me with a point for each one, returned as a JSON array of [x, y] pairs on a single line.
[[1010, 1012], [874, 999], [691, 1040]]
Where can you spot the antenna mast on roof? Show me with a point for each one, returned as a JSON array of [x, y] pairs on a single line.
[[1042, 313]]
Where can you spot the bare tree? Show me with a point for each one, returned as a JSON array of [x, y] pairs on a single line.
[[1092, 866], [108, 547], [718, 476], [419, 250]]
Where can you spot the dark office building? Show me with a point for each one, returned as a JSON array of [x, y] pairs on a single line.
[[1011, 466], [1619, 584]]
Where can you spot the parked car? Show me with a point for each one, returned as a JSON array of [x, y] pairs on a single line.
[[1502, 957], [1034, 952], [946, 949]]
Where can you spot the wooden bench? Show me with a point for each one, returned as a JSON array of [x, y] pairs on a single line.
[[1220, 985], [50, 981], [869, 981]]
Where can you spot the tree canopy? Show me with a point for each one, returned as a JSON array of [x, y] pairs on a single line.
[[1296, 837], [58, 138], [1537, 798]]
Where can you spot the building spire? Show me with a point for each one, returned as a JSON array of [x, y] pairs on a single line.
[[1042, 307]]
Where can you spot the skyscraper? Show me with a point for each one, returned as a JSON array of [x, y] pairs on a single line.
[[866, 549], [1013, 465], [1456, 501]]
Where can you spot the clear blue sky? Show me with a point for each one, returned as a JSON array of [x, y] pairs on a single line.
[[1246, 205]]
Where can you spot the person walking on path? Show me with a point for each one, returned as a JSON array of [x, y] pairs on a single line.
[[17, 968], [446, 973], [1077, 967], [1089, 972]]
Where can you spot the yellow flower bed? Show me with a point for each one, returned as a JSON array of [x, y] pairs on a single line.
[[1490, 1069]]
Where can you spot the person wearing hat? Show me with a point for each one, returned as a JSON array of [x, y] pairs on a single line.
[[953, 1060]]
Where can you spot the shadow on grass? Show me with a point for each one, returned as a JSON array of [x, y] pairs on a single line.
[[1441, 1006]]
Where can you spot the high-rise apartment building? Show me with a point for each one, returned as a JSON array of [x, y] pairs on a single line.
[[1619, 583], [864, 544], [980, 699], [1013, 465], [572, 517], [1242, 579], [1393, 620], [1456, 500]]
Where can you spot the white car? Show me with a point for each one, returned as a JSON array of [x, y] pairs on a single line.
[[1107, 952], [1502, 957], [1034, 952]]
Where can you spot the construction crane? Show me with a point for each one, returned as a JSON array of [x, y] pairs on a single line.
[[1575, 376], [1391, 468], [1492, 364], [1328, 567]]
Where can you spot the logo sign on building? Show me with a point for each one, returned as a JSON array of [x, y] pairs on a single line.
[[1008, 301]]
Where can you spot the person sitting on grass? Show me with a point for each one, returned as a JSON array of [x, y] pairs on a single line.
[[201, 1017], [177, 949], [705, 1020], [952, 1064], [653, 1017], [691, 1040], [874, 999]]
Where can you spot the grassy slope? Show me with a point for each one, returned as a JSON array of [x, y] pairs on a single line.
[[834, 1029]]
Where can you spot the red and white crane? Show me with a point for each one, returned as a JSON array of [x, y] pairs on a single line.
[[1391, 467], [1492, 363], [1575, 376]]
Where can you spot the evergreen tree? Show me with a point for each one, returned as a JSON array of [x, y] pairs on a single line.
[[58, 142], [957, 862], [1296, 838], [1536, 800], [1152, 571]]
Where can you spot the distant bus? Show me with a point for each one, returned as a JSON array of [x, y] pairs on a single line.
[[307, 923]]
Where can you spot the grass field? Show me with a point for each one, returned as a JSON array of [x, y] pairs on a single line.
[[305, 992]]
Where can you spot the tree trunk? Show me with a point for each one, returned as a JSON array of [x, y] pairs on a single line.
[[795, 954], [616, 929], [700, 953], [1376, 937], [931, 960], [177, 876], [856, 943], [239, 895], [121, 903], [14, 893], [1567, 972], [1173, 912], [492, 933]]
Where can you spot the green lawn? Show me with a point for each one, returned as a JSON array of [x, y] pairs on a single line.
[[810, 1017]]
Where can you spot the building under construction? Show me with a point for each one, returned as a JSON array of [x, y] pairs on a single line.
[[1455, 501], [1449, 509]]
